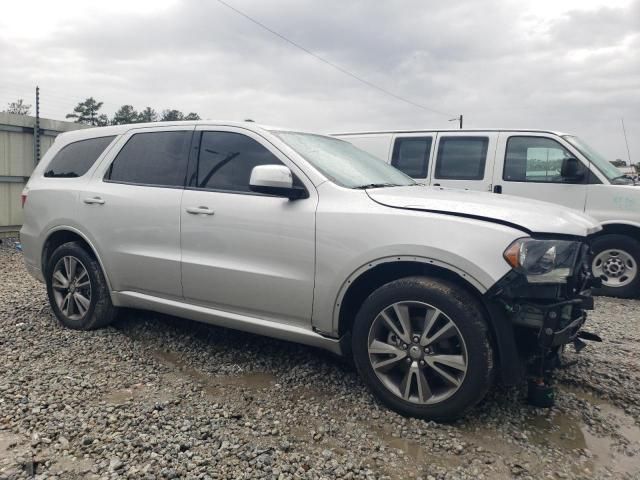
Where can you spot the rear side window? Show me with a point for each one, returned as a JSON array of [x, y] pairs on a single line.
[[226, 160], [461, 158], [154, 158], [411, 155], [75, 159]]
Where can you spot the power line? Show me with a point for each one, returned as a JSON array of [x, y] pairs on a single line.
[[331, 64]]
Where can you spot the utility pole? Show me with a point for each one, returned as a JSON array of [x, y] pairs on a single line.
[[626, 141], [457, 119], [36, 129]]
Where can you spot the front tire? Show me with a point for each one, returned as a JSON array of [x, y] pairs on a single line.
[[77, 290], [616, 260], [423, 348]]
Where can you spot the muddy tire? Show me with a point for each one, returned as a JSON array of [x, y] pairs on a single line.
[[423, 347], [616, 260], [77, 290]]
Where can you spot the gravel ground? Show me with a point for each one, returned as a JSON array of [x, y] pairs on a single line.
[[160, 397]]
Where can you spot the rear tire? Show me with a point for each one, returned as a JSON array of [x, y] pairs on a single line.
[[616, 260], [77, 290], [438, 370]]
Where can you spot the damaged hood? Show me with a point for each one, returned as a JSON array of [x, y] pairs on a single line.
[[530, 216]]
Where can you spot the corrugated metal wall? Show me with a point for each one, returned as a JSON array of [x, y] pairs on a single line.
[[17, 160]]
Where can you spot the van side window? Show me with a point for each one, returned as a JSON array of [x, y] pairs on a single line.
[[534, 159], [461, 158], [226, 160], [152, 158], [411, 155], [75, 159]]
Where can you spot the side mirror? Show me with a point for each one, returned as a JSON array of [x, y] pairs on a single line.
[[275, 180], [572, 170]]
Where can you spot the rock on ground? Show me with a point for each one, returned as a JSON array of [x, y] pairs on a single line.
[[156, 397]]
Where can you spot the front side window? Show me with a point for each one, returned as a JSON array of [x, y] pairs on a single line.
[[226, 160], [75, 159], [411, 155], [152, 158], [343, 163], [461, 158], [534, 159]]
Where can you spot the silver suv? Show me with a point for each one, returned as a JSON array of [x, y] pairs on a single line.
[[303, 237]]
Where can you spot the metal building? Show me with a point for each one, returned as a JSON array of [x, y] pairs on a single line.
[[18, 158]]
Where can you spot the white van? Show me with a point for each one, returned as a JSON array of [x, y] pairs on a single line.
[[544, 165]]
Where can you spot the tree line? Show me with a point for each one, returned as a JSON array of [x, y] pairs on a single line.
[[88, 113]]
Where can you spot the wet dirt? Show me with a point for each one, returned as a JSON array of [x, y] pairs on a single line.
[[617, 452], [182, 374], [214, 386], [9, 443], [67, 467]]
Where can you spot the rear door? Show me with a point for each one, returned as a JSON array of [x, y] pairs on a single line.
[[131, 210], [464, 160], [528, 165]]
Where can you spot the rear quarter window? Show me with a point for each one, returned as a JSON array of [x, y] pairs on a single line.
[[461, 158], [411, 155], [75, 159], [152, 158]]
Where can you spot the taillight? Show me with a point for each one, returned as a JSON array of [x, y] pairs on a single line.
[[23, 198]]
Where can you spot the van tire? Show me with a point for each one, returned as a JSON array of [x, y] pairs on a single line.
[[99, 311], [612, 254], [459, 308]]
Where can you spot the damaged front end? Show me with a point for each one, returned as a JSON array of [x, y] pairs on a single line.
[[542, 306]]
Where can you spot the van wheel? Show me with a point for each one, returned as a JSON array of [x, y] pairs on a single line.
[[77, 289], [616, 260], [423, 347]]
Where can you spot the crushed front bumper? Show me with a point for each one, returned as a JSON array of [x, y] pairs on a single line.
[[532, 322], [557, 323]]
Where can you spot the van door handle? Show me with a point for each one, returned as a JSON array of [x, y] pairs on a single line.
[[92, 200], [199, 210], [497, 189], [436, 184]]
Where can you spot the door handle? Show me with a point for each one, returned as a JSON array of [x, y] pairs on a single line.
[[497, 189], [436, 184], [92, 200], [199, 210]]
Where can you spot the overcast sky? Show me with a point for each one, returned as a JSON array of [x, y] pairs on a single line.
[[569, 65]]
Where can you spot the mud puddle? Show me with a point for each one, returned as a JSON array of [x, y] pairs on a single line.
[[214, 386], [138, 392], [618, 452]]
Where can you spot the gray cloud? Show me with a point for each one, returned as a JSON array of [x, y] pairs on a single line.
[[478, 58]]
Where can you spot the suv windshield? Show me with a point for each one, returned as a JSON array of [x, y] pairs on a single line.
[[612, 173], [344, 164]]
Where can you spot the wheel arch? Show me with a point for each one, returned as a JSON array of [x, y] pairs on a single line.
[[372, 276], [64, 234], [630, 229]]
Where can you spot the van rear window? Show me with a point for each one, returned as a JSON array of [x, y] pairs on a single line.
[[75, 159], [461, 158]]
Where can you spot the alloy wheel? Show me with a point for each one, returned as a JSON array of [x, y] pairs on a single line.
[[71, 287], [417, 352]]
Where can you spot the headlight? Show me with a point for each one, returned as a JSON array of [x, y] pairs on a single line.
[[543, 261]]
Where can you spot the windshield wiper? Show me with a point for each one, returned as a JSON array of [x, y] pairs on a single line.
[[376, 185]]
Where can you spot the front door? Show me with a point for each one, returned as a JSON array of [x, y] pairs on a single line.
[[529, 165], [131, 210], [464, 160], [243, 252]]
